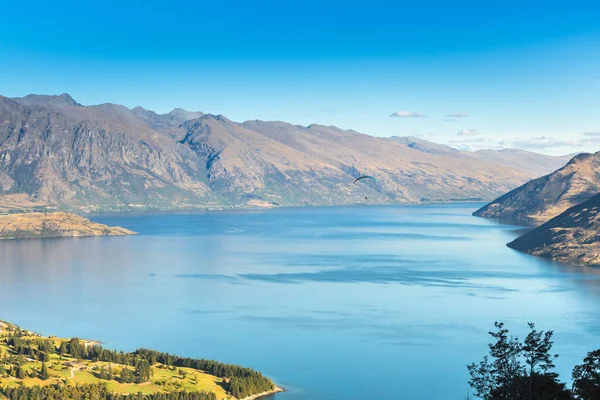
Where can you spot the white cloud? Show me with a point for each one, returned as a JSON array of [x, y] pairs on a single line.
[[467, 132], [407, 114], [458, 115]]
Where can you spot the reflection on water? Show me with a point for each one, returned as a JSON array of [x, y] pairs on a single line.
[[354, 303]]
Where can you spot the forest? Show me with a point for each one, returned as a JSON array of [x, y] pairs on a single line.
[[92, 391], [524, 370]]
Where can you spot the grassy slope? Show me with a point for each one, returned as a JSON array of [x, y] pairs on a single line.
[[83, 372]]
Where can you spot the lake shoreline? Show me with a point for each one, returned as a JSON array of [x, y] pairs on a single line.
[[243, 210], [277, 389]]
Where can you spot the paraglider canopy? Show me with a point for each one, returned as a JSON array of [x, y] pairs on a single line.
[[363, 177]]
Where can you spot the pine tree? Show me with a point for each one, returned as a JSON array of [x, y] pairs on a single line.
[[127, 375], [142, 371], [44, 375], [21, 373], [103, 373], [63, 349], [43, 356]]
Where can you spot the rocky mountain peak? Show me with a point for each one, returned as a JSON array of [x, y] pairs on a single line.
[[47, 100], [181, 115]]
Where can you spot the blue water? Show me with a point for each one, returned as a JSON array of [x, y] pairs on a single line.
[[352, 303]]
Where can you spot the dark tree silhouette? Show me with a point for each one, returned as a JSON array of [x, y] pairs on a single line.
[[586, 378], [536, 349], [518, 371]]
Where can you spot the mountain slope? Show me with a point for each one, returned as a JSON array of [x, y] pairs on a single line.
[[572, 237], [245, 165], [99, 157], [57, 152], [548, 196], [426, 146], [403, 173]]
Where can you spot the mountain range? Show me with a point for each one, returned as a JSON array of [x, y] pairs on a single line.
[[56, 152], [533, 164]]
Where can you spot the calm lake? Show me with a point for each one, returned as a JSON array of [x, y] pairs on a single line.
[[333, 303]]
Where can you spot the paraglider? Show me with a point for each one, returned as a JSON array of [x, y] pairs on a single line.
[[363, 177]]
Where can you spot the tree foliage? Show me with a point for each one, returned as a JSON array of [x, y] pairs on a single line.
[[44, 375], [518, 370], [586, 378], [92, 391]]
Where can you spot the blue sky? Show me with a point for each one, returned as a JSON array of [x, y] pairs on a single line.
[[527, 74]]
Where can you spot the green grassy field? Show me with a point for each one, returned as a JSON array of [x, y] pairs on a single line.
[[73, 372]]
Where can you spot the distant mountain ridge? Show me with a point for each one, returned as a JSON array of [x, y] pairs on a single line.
[[546, 197], [55, 151], [532, 163]]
